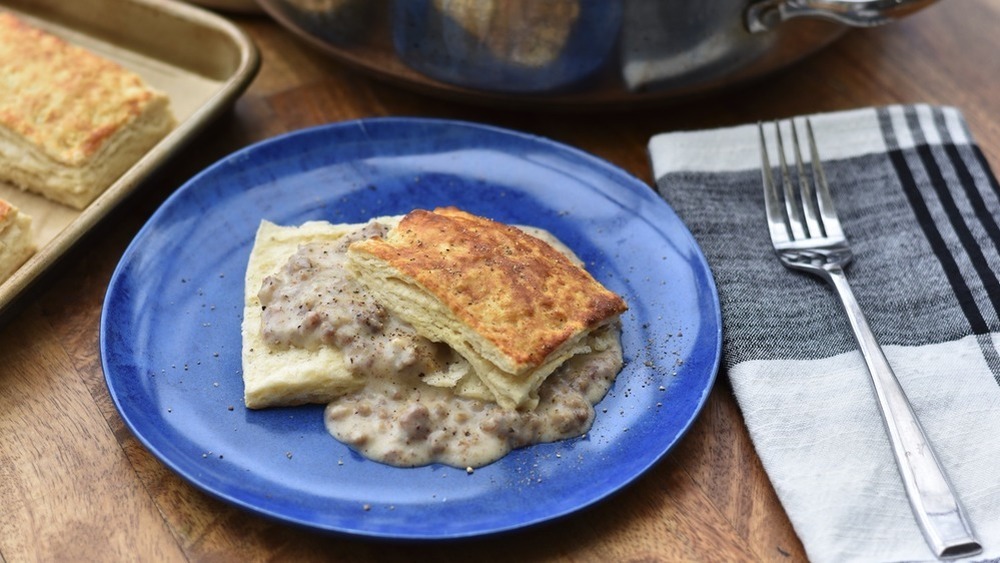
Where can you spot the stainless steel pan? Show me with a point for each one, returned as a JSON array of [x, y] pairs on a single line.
[[576, 52]]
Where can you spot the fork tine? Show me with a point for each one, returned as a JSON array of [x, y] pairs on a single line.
[[813, 226], [827, 211], [772, 203], [795, 222]]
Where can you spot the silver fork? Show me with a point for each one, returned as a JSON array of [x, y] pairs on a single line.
[[807, 236]]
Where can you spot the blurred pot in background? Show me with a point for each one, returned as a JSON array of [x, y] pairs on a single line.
[[506, 46], [576, 52]]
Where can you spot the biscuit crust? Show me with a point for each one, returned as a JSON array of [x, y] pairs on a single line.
[[71, 121], [60, 97], [517, 292]]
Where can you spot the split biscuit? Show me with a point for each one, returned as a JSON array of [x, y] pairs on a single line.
[[509, 303]]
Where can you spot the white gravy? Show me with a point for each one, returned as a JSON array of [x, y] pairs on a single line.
[[397, 418]]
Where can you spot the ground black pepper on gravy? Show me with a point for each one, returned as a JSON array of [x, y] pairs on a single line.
[[408, 412]]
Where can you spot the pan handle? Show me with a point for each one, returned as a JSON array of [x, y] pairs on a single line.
[[765, 15]]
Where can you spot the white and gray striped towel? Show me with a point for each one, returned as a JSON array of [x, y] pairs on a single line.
[[921, 209]]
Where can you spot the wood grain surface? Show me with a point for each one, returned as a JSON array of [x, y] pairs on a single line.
[[76, 485]]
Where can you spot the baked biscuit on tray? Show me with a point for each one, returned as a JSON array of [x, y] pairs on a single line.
[[71, 122], [16, 244]]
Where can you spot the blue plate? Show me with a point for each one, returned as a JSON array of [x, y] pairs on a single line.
[[170, 330]]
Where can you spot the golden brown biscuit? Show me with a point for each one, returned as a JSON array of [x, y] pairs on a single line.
[[15, 239], [71, 122], [512, 305]]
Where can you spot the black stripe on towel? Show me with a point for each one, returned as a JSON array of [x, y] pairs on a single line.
[[987, 171], [978, 203], [975, 198], [965, 236], [963, 170], [961, 290]]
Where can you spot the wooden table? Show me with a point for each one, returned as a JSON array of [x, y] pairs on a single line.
[[75, 484]]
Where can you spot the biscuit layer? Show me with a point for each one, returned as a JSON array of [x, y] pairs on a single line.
[[287, 376], [510, 303]]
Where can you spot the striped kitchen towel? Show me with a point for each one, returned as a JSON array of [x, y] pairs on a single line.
[[921, 209]]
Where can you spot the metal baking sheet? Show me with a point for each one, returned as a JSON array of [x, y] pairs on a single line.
[[201, 60]]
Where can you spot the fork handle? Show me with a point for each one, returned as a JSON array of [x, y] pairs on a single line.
[[934, 503]]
